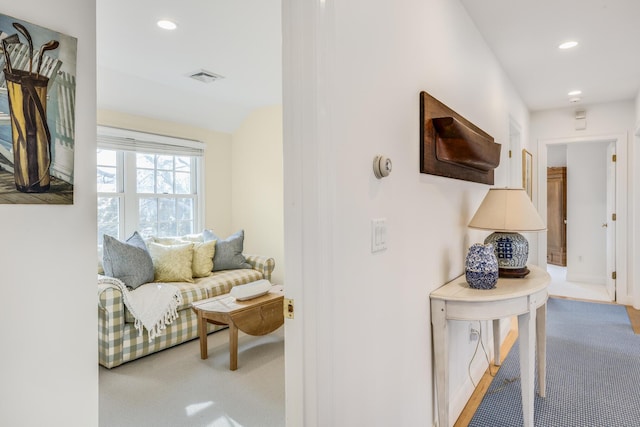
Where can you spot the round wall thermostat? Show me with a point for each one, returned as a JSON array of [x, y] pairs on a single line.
[[381, 166]]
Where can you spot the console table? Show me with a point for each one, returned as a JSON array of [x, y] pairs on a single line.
[[525, 298]]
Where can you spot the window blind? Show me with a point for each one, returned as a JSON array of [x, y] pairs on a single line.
[[110, 138]]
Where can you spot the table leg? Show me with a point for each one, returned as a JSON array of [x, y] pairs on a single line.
[[441, 359], [496, 342], [202, 334], [541, 346], [526, 332], [233, 346]]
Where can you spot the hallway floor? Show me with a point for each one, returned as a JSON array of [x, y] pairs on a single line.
[[585, 291]]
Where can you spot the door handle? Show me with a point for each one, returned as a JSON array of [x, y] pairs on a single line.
[[605, 225]]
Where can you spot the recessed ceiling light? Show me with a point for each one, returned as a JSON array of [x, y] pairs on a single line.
[[568, 45], [167, 25], [575, 92]]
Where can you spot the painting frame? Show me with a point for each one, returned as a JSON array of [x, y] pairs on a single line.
[[527, 172]]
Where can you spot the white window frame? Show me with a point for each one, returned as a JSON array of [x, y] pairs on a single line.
[[127, 143]]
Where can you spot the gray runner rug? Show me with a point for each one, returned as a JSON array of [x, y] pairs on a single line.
[[593, 372]]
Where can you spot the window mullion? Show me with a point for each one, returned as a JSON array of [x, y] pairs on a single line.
[[197, 182], [131, 203]]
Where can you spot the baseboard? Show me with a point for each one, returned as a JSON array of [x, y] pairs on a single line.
[[461, 398]]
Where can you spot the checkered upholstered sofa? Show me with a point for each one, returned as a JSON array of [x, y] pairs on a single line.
[[120, 342]]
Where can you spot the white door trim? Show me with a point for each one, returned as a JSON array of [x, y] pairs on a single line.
[[635, 243], [611, 225], [624, 290], [308, 203]]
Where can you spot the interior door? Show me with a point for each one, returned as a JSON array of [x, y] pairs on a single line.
[[557, 216], [610, 222]]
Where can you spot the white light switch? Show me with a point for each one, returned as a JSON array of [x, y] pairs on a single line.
[[378, 234]]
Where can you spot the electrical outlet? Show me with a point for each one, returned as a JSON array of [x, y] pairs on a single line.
[[473, 333]]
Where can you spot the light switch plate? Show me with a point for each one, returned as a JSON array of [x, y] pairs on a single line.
[[378, 234]]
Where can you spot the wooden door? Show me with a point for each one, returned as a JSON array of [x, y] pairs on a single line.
[[557, 216]]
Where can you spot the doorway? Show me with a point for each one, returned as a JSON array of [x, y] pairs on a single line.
[[581, 241]]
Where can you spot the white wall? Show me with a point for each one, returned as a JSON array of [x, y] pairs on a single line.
[[609, 118], [610, 121], [257, 205], [217, 161], [365, 317], [47, 258], [557, 156], [586, 212]]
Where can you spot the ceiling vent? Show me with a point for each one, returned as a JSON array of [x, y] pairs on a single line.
[[205, 76]]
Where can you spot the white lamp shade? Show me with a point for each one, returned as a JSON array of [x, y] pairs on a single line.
[[507, 209]]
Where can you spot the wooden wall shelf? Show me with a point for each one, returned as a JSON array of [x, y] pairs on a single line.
[[453, 147]]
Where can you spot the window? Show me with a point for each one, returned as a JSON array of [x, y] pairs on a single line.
[[148, 183]]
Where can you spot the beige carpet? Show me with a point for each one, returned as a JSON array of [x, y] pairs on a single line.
[[175, 388]]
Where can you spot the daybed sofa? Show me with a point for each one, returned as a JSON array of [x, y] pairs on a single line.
[[118, 339]]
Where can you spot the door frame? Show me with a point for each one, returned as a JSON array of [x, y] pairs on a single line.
[[309, 177], [635, 244], [624, 290], [611, 225]]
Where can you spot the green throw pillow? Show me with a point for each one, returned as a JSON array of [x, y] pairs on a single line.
[[203, 254], [172, 263]]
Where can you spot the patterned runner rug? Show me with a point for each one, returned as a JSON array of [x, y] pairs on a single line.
[[593, 372]]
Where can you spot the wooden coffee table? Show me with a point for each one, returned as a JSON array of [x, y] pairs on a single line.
[[257, 316]]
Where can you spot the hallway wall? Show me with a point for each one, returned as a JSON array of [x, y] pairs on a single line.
[[365, 319], [603, 120], [48, 263]]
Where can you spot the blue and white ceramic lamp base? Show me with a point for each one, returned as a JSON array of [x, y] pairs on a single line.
[[512, 251]]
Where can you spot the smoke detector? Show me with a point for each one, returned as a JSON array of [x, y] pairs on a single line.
[[205, 76]]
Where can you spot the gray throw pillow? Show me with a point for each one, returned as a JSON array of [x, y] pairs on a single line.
[[228, 254], [128, 261]]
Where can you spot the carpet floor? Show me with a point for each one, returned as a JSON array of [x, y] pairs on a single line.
[[175, 388], [593, 372]]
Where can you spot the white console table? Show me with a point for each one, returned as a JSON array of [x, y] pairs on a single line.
[[525, 298]]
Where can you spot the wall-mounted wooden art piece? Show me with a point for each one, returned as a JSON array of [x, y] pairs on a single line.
[[452, 146], [37, 113]]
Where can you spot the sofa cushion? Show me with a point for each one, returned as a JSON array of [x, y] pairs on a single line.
[[172, 263], [221, 282], [128, 261], [218, 283], [228, 254]]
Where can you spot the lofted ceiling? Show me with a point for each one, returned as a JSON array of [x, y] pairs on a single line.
[[143, 69]]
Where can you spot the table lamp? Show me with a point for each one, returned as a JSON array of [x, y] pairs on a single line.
[[506, 211]]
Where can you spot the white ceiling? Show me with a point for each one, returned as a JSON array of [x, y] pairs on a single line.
[[524, 36], [142, 69]]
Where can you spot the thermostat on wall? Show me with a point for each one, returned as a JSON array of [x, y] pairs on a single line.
[[381, 166]]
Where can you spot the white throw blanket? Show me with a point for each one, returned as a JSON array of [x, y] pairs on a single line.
[[153, 305]]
